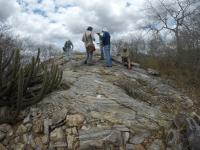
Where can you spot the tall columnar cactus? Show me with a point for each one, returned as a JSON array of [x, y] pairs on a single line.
[[23, 85]]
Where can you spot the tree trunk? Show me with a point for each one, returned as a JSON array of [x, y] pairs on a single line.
[[178, 42]]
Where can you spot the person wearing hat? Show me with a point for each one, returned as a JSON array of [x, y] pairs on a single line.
[[88, 39], [106, 47]]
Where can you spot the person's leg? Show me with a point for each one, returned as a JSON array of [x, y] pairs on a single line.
[[67, 51], [129, 64], [107, 55], [90, 58], [102, 54], [87, 57], [70, 52]]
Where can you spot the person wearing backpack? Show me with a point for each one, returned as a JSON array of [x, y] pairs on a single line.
[[68, 48], [88, 39]]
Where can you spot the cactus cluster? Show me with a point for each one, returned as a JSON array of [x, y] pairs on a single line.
[[23, 85]]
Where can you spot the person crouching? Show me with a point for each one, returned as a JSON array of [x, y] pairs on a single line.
[[125, 56]]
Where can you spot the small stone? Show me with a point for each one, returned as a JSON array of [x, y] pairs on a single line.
[[129, 147], [33, 144], [99, 96], [57, 135], [38, 125], [17, 139], [45, 139], [60, 145], [2, 147], [59, 116], [136, 140], [21, 129], [6, 128], [126, 136], [138, 147], [18, 146], [84, 128], [34, 112], [27, 119], [139, 138], [153, 72], [188, 103], [75, 120], [29, 127], [156, 145], [27, 138], [74, 131], [70, 141], [38, 142], [115, 138], [94, 144], [51, 145], [47, 123], [69, 131], [28, 147], [121, 128]]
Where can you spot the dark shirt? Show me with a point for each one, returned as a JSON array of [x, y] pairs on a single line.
[[68, 44], [106, 38]]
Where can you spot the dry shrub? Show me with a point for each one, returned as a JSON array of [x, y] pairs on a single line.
[[183, 68]]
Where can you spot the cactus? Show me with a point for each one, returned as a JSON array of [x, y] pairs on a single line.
[[24, 85]]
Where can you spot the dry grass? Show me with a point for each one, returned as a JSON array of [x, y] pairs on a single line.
[[183, 70]]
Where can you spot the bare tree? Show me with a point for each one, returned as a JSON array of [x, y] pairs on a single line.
[[136, 43], [171, 16], [191, 35]]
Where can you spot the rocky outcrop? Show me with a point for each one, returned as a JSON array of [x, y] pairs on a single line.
[[102, 108]]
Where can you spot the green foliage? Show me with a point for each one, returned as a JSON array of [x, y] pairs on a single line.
[[24, 85]]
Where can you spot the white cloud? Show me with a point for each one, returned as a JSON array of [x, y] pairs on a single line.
[[8, 8], [55, 21]]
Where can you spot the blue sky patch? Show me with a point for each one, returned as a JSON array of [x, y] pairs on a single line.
[[39, 1], [39, 12]]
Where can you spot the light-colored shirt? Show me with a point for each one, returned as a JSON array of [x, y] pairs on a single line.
[[125, 54], [88, 38]]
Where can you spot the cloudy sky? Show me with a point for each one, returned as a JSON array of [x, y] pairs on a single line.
[[55, 21]]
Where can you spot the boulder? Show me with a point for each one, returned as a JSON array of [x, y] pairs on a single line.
[[153, 72]]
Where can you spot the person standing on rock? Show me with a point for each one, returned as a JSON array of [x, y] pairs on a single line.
[[88, 39], [68, 48], [106, 47]]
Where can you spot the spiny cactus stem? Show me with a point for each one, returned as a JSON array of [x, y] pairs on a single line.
[[1, 65]]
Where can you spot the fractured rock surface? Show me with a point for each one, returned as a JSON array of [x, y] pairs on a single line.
[[103, 108]]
